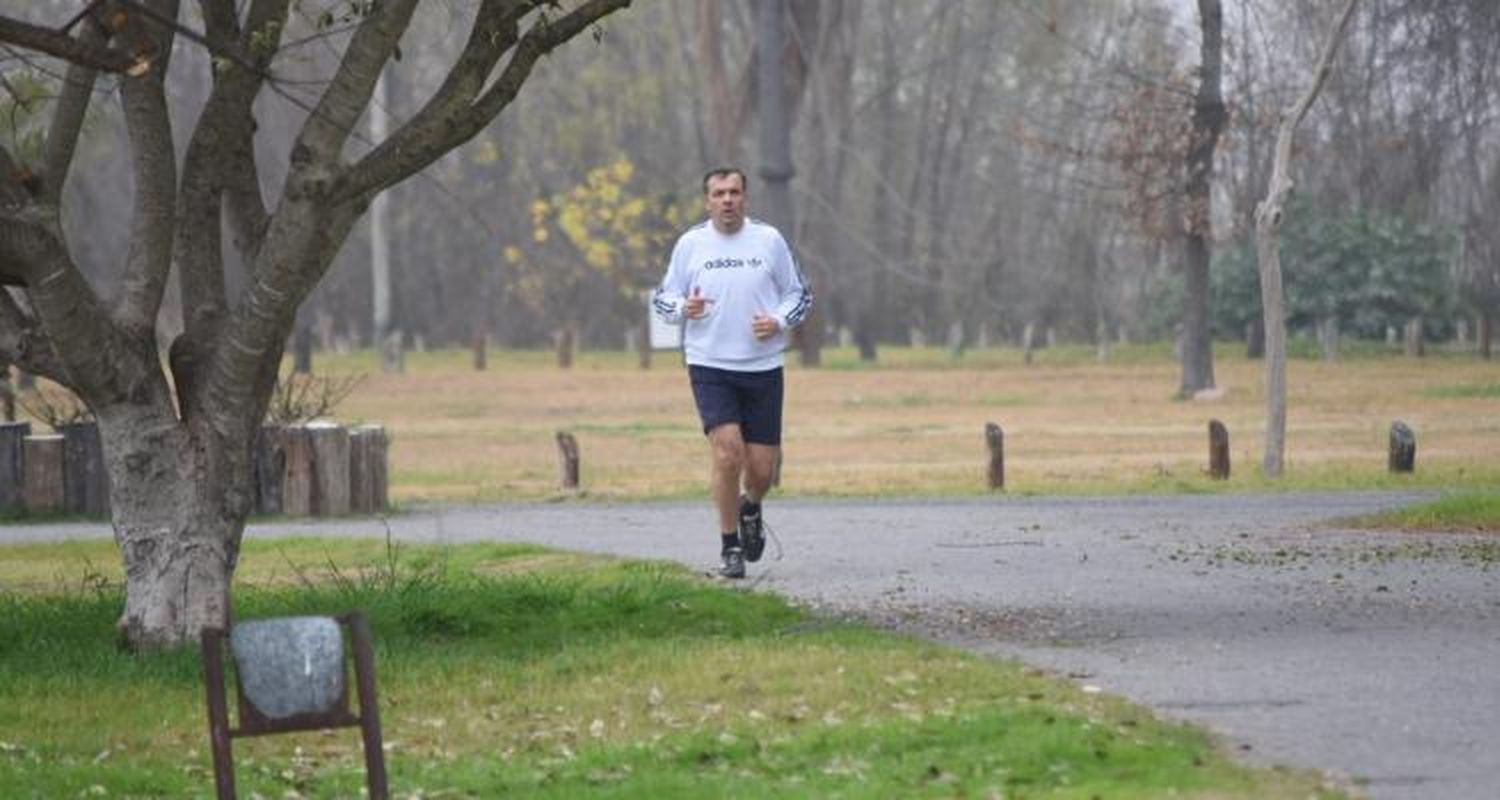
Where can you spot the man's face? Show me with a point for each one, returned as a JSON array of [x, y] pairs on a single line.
[[725, 199]]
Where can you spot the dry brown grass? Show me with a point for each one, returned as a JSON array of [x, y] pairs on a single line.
[[913, 426]]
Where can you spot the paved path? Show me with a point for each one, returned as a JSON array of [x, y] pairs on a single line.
[[1374, 656]]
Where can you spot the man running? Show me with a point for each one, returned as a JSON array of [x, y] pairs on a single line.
[[735, 282]]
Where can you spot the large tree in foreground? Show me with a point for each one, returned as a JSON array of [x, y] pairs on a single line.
[[178, 443]]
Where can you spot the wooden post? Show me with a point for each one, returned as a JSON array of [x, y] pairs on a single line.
[[297, 483], [567, 451], [330, 447], [565, 341], [270, 469], [478, 345], [643, 340], [393, 353], [367, 469], [995, 439], [1403, 450], [85, 482], [42, 459], [12, 465], [1218, 450]]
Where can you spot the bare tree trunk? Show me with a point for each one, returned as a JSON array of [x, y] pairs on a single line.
[[1268, 220], [724, 113], [380, 241], [873, 316], [776, 169], [1209, 117], [179, 509]]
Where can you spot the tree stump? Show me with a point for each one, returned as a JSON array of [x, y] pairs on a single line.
[[1218, 450], [42, 486], [12, 465], [297, 481], [367, 469], [995, 439], [85, 482], [567, 451], [270, 469], [330, 448], [1403, 450]]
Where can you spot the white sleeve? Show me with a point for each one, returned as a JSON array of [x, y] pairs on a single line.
[[668, 299], [796, 294]]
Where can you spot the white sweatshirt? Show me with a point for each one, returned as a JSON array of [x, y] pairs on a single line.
[[748, 272]]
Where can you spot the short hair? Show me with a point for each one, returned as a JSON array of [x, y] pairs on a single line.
[[724, 172]]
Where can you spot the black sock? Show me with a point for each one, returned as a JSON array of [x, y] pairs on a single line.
[[749, 509], [731, 541]]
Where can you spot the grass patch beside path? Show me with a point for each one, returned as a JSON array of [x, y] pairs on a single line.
[[1470, 511], [522, 672]]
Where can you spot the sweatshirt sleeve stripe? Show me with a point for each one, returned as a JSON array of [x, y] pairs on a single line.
[[804, 302]]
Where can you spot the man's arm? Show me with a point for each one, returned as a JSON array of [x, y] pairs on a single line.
[[670, 298], [796, 293]]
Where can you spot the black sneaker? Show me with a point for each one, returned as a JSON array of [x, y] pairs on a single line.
[[752, 530], [733, 565]]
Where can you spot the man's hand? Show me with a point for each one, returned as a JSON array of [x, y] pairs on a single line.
[[765, 326], [697, 305]]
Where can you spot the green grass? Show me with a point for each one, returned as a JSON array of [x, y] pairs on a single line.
[[1463, 511], [521, 672]]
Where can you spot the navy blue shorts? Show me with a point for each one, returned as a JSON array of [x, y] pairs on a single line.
[[752, 399]]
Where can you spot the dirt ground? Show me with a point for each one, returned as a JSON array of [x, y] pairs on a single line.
[[1071, 424]]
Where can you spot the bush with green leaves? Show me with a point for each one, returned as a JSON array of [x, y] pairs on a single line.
[[1368, 270]]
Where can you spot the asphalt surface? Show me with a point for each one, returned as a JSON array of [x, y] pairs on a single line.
[[1373, 656]]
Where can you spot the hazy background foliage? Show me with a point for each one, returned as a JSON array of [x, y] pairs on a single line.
[[964, 169]]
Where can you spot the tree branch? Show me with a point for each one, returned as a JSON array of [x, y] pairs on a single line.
[[421, 143], [154, 167], [494, 32], [321, 141], [22, 342], [67, 119], [242, 366], [220, 162], [63, 46], [247, 208]]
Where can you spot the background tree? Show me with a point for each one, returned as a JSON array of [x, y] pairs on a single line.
[[1208, 120], [1269, 219]]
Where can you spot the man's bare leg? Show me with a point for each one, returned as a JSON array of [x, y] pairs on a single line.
[[760, 466], [729, 462]]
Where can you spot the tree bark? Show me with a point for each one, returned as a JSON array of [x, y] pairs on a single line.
[[179, 504], [1268, 220], [1209, 116], [776, 169]]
